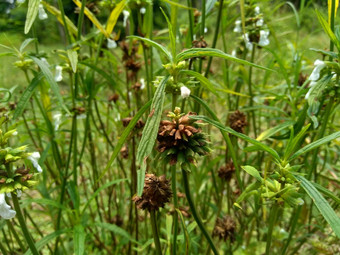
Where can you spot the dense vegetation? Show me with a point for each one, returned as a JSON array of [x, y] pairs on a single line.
[[169, 127]]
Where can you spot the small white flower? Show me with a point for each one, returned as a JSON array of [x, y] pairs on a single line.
[[142, 82], [185, 92], [319, 65], [264, 41], [116, 119], [42, 13], [238, 28], [233, 53], [205, 30], [257, 10], [15, 133], [57, 120], [10, 1], [300, 201], [249, 44], [58, 73], [142, 10], [5, 210], [34, 160], [111, 44], [126, 16], [311, 85], [259, 23]]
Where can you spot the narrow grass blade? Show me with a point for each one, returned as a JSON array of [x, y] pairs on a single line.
[[150, 133], [114, 16], [79, 239], [117, 230], [321, 203], [272, 131]]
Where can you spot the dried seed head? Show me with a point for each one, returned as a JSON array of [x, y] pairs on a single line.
[[226, 172], [156, 193], [201, 43], [113, 98], [302, 79], [124, 152], [238, 121], [127, 120], [225, 228]]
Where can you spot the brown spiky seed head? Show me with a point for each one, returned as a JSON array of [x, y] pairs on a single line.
[[225, 228], [138, 125], [156, 193], [226, 172], [238, 121]]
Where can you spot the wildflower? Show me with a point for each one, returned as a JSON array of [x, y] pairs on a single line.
[[156, 193], [34, 160], [311, 85], [233, 53], [238, 28], [42, 13], [259, 23], [142, 82], [58, 73], [225, 228], [126, 16], [257, 10], [185, 92], [264, 41], [142, 10], [111, 44], [5, 210], [249, 44], [319, 65], [57, 120], [205, 30]]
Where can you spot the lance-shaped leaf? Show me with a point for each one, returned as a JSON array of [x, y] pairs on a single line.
[[272, 131], [114, 16], [150, 133], [32, 12], [321, 203], [202, 52]]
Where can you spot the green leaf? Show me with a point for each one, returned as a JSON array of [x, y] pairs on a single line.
[[111, 22], [106, 185], [32, 12], [316, 90], [293, 141], [326, 192], [50, 79], [327, 29], [315, 144], [272, 131], [150, 133], [260, 145], [171, 35], [253, 172], [117, 230], [7, 95], [208, 84], [26, 95], [321, 203], [124, 136], [154, 44], [178, 5], [79, 239], [202, 52], [325, 52], [73, 57], [41, 243], [45, 201], [25, 43]]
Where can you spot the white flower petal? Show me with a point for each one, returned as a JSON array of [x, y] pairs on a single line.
[[35, 163], [249, 45], [126, 16], [311, 85], [111, 44], [57, 121], [264, 41], [185, 92], [257, 10], [142, 82], [259, 23], [319, 65], [42, 13], [58, 74], [5, 210], [238, 28], [142, 10]]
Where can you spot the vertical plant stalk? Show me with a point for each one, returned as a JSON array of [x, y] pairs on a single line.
[[175, 215], [251, 91], [155, 232], [2, 249], [23, 226], [331, 45], [194, 212], [272, 219], [61, 7]]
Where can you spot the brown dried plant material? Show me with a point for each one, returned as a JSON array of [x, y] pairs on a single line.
[[225, 228], [226, 172], [156, 193], [238, 121]]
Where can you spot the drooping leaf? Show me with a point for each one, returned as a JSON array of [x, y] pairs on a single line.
[[32, 12], [25, 43], [253, 172], [73, 57], [150, 133], [124, 136], [272, 131], [111, 22], [201, 52], [321, 203]]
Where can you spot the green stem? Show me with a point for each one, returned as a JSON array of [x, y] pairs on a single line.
[[292, 229], [251, 91], [61, 7], [2, 249], [272, 218], [11, 228], [23, 226], [175, 215], [331, 47], [194, 212], [155, 232]]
